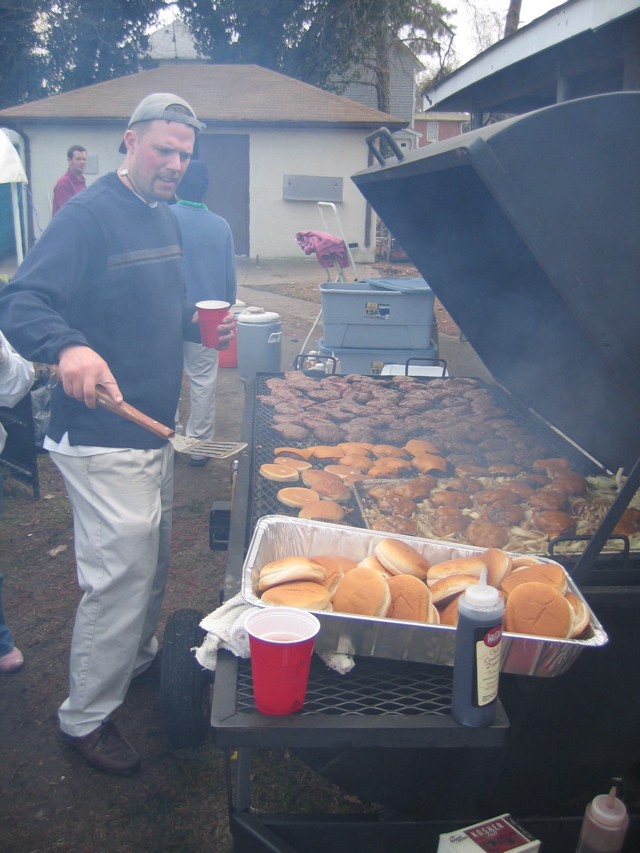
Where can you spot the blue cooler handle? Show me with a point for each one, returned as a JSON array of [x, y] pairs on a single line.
[[274, 338], [383, 133]]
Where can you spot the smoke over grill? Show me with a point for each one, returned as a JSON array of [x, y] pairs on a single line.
[[527, 232]]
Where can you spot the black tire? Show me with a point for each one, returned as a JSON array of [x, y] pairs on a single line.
[[185, 687]]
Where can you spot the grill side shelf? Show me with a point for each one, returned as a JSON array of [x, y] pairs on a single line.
[[394, 703]]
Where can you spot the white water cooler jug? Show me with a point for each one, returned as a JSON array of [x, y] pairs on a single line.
[[259, 342]]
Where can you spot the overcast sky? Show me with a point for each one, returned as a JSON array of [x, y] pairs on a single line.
[[464, 40]]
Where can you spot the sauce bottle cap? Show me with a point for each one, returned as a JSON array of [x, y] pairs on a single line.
[[481, 594], [608, 809]]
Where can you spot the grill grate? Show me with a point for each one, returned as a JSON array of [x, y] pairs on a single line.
[[264, 492], [373, 688]]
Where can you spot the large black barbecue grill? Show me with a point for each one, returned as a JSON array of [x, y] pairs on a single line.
[[527, 231]]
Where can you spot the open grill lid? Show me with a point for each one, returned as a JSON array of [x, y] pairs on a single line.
[[529, 233]]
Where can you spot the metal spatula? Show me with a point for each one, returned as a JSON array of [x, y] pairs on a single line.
[[182, 444]]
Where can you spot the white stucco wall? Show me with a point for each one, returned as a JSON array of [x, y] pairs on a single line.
[[274, 222], [48, 147]]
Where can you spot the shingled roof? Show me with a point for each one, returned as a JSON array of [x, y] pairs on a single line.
[[220, 95]]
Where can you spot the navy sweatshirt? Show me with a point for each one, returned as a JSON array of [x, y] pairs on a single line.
[[106, 273]]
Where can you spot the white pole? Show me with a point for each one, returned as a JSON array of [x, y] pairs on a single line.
[[16, 222]]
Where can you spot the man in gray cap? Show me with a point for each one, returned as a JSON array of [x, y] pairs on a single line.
[[101, 293]]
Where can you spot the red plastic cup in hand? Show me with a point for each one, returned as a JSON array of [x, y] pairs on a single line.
[[281, 643], [211, 313]]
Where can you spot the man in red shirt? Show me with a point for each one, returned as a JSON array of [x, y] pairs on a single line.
[[73, 179]]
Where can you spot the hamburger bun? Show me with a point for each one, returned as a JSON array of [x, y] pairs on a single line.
[[304, 594], [333, 570], [360, 448], [410, 599], [434, 615], [375, 564], [289, 461], [389, 450], [295, 452], [538, 609], [311, 476], [325, 451], [416, 446], [359, 461], [342, 471], [548, 573], [523, 562], [498, 564], [322, 510], [581, 618], [346, 563], [395, 462], [449, 611], [363, 591], [425, 462], [400, 558], [297, 497], [279, 473], [472, 565], [290, 569], [451, 587]]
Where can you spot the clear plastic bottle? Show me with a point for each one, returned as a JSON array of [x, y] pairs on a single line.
[[604, 825], [476, 667]]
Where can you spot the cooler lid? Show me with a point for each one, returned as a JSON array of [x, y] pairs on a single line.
[[528, 231], [402, 285], [255, 316]]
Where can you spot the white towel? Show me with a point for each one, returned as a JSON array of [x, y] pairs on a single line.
[[337, 661], [226, 629]]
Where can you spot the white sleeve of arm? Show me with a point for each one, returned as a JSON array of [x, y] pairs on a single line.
[[16, 375]]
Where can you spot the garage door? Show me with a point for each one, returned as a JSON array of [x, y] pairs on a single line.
[[227, 156]]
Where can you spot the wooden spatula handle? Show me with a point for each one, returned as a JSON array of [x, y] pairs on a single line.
[[124, 410]]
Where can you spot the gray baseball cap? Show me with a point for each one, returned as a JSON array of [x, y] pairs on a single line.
[[163, 105]]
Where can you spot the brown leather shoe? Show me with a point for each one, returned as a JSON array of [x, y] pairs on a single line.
[[107, 750]]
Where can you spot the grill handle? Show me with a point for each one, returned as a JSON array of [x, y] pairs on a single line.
[[624, 556], [604, 531], [383, 133]]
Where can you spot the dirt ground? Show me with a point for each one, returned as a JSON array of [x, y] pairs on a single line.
[[49, 799]]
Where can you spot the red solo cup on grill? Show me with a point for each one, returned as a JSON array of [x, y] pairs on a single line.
[[281, 643], [211, 313]]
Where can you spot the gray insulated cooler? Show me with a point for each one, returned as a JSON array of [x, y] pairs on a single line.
[[377, 314]]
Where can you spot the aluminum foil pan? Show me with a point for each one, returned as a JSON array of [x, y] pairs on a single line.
[[277, 536]]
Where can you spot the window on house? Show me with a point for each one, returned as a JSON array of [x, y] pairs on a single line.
[[432, 131]]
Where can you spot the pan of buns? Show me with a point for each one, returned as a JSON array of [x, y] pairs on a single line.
[[395, 596]]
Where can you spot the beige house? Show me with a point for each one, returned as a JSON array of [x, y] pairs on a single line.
[[275, 147]]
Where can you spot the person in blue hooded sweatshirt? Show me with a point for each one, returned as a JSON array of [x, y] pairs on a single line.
[[209, 267]]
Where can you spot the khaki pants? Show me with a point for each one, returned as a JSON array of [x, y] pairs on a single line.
[[122, 507], [201, 367]]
